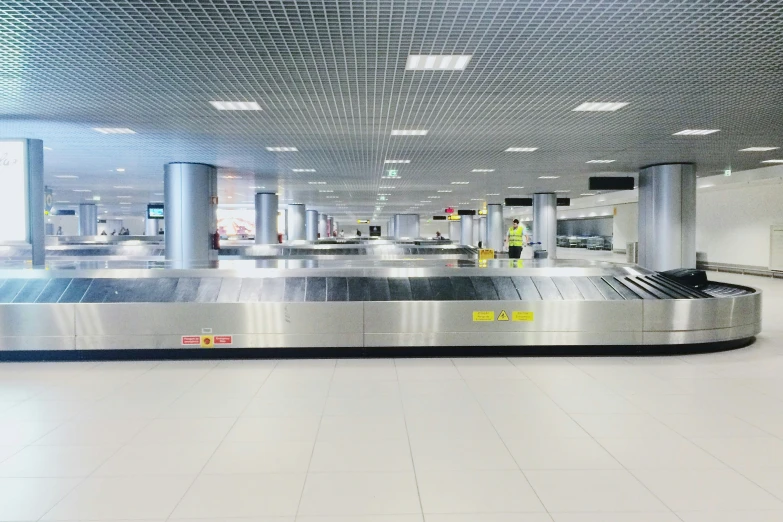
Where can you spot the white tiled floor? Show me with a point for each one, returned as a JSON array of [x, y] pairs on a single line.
[[688, 439]]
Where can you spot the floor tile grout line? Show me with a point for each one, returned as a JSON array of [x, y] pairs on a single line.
[[315, 442], [602, 447], [236, 419], [502, 440], [408, 438]]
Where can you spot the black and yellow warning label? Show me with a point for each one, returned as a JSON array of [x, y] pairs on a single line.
[[503, 316]]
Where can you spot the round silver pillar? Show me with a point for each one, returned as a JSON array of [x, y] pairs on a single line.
[[190, 194], [466, 230], [667, 216], [323, 225], [151, 226], [390, 230], [311, 225], [476, 230], [330, 225], [266, 218], [88, 219], [455, 231], [406, 226], [545, 223], [495, 230], [296, 222]]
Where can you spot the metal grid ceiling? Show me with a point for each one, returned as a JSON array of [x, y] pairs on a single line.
[[331, 79]]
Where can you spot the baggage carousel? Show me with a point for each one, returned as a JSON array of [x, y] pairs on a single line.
[[372, 308]]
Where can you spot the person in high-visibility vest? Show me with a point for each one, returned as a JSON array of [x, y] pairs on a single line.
[[515, 238]]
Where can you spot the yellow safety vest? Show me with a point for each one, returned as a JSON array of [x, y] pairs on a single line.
[[515, 237]]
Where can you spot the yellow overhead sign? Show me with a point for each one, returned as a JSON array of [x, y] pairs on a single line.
[[482, 212], [363, 221], [452, 218]]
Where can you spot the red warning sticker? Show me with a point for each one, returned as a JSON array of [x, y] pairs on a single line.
[[224, 339], [191, 340]]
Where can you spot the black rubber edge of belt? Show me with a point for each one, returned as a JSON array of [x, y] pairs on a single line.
[[159, 354]]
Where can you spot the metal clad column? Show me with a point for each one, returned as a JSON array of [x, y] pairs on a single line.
[[330, 225], [323, 225], [150, 226], [296, 222], [88, 219], [483, 230], [391, 231], [545, 223], [406, 226], [495, 233], [266, 218], [311, 225], [190, 193], [466, 230], [455, 231], [667, 216]]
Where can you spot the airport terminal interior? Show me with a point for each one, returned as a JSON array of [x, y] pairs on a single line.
[[391, 260]]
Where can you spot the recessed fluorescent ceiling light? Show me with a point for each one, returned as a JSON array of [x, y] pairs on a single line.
[[460, 182], [521, 149], [409, 132], [303, 170], [112, 130], [696, 132], [125, 202], [236, 105], [562, 191], [773, 161], [120, 170], [67, 177], [434, 197], [397, 161], [444, 191], [123, 187], [483, 170], [230, 177], [82, 190], [437, 62], [758, 149], [282, 149], [124, 197], [158, 194], [587, 194], [48, 148], [332, 197], [600, 106], [326, 191], [62, 201], [476, 199], [548, 177], [601, 161], [706, 186], [516, 187], [493, 194]]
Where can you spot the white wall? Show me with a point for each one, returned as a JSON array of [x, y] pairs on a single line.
[[625, 225], [732, 224]]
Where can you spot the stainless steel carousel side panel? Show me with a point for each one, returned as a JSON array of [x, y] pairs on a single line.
[[701, 314], [483, 323], [36, 326], [251, 325], [702, 336]]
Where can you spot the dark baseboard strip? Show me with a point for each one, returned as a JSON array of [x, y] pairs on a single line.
[[169, 354]]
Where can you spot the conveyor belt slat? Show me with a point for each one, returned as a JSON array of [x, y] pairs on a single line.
[[229, 290], [31, 291], [10, 289], [152, 291], [75, 290], [588, 289], [526, 289], [505, 288], [336, 289], [546, 287], [671, 283], [378, 289], [400, 289], [625, 292], [485, 290], [315, 289], [294, 289], [272, 290], [98, 291], [208, 289], [641, 291], [118, 290], [186, 290], [53, 291], [442, 289], [420, 289], [250, 291], [567, 289], [357, 289], [669, 291], [463, 289]]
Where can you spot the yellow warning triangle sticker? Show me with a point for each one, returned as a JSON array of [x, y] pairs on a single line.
[[503, 316]]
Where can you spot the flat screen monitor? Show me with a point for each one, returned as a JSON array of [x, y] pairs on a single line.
[[375, 231], [155, 211]]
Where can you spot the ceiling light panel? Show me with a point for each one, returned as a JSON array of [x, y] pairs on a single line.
[[601, 161], [437, 62], [302, 170], [460, 182], [409, 133], [516, 187], [282, 149], [113, 130], [548, 177], [696, 132], [396, 161], [773, 161], [600, 106], [483, 170], [758, 149], [67, 176], [236, 105], [521, 149]]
